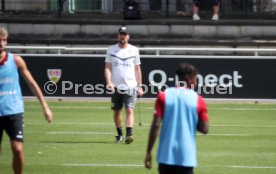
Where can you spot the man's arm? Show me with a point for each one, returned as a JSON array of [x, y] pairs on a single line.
[[107, 74], [138, 74], [25, 73], [203, 126], [155, 126]]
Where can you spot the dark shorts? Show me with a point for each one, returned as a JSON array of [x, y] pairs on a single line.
[[122, 98], [13, 126], [198, 2], [172, 169]]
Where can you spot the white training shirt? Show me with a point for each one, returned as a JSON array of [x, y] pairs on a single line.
[[123, 61]]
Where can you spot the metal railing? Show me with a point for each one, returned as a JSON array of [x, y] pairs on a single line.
[[160, 52], [231, 8], [51, 5]]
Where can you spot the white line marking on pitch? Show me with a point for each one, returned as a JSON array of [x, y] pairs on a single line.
[[151, 108], [105, 165], [109, 133], [245, 109], [140, 165], [227, 135], [145, 124], [82, 133], [255, 126], [73, 107], [69, 123], [253, 167]]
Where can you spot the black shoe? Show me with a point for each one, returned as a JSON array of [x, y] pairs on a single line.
[[119, 139], [129, 139]]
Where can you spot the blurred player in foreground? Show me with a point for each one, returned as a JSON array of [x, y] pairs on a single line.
[[11, 100], [182, 112]]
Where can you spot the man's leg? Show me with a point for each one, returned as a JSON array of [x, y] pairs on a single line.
[[118, 118], [129, 125], [14, 129], [129, 120], [195, 10], [118, 121], [216, 9], [18, 156], [129, 117], [129, 100], [117, 105]]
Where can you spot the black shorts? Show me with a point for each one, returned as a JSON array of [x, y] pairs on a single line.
[[123, 97], [13, 125], [214, 2], [172, 169]]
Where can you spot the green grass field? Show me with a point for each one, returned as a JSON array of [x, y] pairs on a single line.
[[242, 140]]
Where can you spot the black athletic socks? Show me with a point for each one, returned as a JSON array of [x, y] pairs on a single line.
[[120, 131], [129, 131]]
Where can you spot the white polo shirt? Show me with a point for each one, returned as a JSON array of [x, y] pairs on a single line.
[[123, 61]]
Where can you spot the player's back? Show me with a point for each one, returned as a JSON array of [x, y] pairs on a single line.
[[177, 138]]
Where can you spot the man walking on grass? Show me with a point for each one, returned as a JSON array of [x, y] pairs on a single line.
[[124, 78]]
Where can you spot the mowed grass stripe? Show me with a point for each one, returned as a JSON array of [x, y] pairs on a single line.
[[253, 167], [150, 108], [140, 165], [82, 133], [105, 165], [110, 133]]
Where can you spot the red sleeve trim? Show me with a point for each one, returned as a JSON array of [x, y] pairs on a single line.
[[160, 105], [4, 59], [202, 109]]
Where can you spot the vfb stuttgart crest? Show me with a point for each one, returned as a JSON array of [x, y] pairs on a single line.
[[54, 75]]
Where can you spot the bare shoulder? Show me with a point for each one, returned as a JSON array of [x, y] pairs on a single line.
[[19, 61], [17, 58]]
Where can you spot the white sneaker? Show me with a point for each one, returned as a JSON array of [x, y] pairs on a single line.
[[119, 139], [196, 17], [215, 17]]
